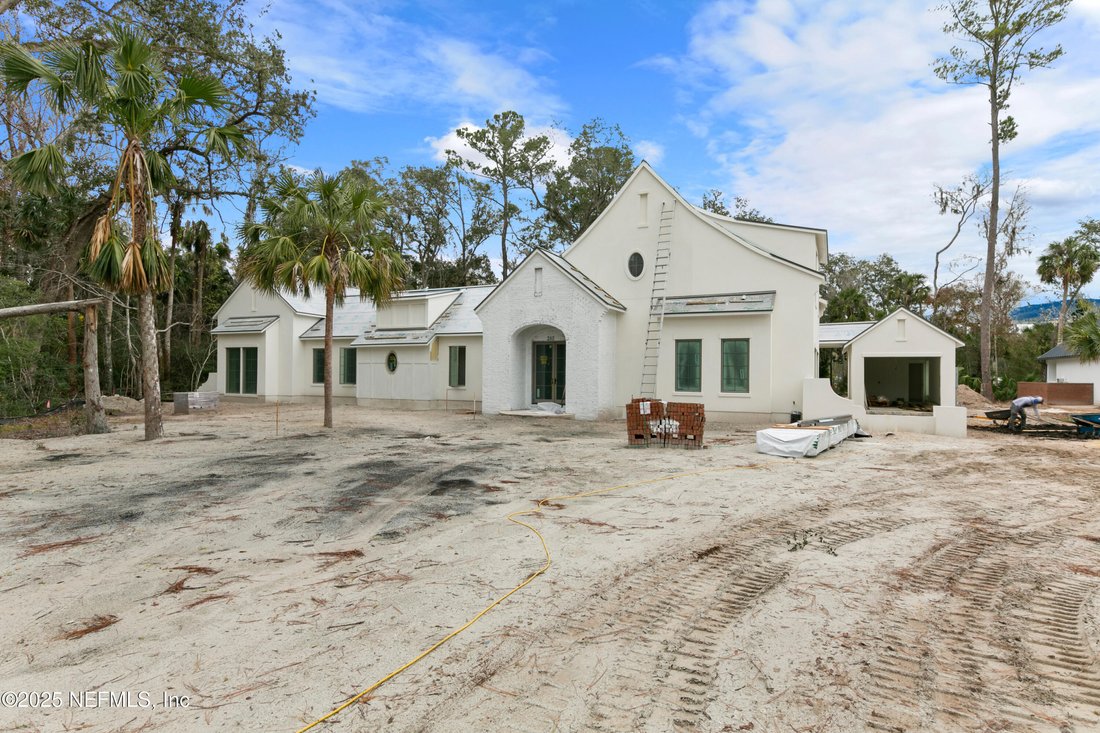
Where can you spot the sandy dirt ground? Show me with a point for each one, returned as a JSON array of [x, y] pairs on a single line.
[[228, 578]]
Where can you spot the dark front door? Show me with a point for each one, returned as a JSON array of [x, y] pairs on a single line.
[[549, 372], [916, 382]]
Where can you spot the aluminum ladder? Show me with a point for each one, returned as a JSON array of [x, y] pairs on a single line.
[[657, 302]]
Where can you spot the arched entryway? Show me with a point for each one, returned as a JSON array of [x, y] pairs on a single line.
[[544, 351]]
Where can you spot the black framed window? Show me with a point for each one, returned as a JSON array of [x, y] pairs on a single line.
[[735, 365], [689, 365], [347, 366], [457, 374]]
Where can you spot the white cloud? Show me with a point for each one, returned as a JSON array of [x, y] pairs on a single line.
[[559, 143], [649, 151], [363, 60], [830, 115]]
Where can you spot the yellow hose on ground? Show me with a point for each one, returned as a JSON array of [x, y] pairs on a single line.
[[545, 566]]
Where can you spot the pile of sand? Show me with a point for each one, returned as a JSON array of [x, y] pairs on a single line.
[[968, 398], [120, 405]]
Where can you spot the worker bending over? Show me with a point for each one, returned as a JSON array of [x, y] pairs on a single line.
[[1020, 403]]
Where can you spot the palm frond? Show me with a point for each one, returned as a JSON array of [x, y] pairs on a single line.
[[224, 140], [101, 235], [200, 91], [154, 263], [160, 170], [19, 68], [41, 170], [106, 265], [1083, 336], [132, 278]]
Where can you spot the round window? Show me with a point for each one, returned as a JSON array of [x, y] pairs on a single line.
[[391, 363], [635, 265]]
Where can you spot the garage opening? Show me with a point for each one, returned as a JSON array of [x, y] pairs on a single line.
[[902, 383]]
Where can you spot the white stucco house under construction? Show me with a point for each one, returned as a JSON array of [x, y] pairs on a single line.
[[656, 298]]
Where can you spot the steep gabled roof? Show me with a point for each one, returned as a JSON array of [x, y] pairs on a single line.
[[703, 216], [586, 283], [908, 312]]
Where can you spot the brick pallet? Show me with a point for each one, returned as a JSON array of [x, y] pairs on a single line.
[[677, 423], [638, 425], [691, 419]]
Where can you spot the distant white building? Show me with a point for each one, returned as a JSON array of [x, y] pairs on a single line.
[[1065, 366], [657, 298]]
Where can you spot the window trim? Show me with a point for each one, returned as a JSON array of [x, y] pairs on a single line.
[[236, 372], [676, 383], [456, 377], [748, 367], [641, 273], [240, 373], [348, 356]]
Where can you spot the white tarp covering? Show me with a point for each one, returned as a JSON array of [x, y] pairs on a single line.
[[792, 442], [798, 442]]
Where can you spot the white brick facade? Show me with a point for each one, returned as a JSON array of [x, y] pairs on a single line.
[[514, 317]]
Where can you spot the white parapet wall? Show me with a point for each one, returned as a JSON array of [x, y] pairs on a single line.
[[819, 400]]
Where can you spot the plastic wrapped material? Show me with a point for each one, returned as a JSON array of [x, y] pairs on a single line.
[[792, 442]]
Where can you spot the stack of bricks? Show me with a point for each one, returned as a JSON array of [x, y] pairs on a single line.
[[638, 425], [692, 420]]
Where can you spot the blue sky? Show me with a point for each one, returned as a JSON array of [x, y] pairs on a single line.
[[822, 114]]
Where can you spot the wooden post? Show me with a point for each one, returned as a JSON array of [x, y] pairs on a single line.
[[93, 399], [95, 418]]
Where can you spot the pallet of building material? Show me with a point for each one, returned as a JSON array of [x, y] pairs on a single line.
[[690, 421], [184, 402], [641, 415], [793, 442]]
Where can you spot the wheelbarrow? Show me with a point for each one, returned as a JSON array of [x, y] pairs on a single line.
[[1005, 418], [1087, 425]]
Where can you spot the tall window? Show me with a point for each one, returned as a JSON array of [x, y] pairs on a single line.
[[689, 366], [347, 366], [318, 366], [735, 365], [241, 370], [457, 367]]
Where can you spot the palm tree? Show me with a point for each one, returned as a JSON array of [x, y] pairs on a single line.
[[1071, 263], [1083, 335], [119, 82], [196, 238], [321, 232]]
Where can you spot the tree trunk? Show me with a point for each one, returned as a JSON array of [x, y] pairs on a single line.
[[127, 382], [174, 232], [504, 234], [330, 300], [196, 307], [147, 328], [71, 321], [32, 310], [1062, 312], [108, 346], [986, 311], [95, 418], [150, 371]]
